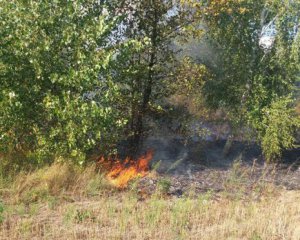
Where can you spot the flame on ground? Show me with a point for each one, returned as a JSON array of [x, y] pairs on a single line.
[[121, 173]]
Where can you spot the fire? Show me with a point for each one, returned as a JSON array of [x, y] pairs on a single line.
[[121, 173]]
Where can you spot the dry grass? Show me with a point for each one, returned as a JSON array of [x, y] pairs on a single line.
[[58, 180], [80, 204], [124, 217]]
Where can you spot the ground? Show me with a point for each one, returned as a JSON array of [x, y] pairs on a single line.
[[123, 216], [192, 192]]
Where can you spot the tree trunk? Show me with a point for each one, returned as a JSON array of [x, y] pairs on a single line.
[[139, 128]]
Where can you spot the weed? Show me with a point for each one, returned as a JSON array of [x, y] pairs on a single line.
[[163, 186], [175, 164], [25, 227], [35, 194], [206, 197], [83, 215], [20, 209], [255, 236], [33, 209], [235, 184], [1, 211], [52, 202], [70, 214], [95, 185]]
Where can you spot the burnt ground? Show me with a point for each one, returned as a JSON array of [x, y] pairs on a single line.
[[184, 166]]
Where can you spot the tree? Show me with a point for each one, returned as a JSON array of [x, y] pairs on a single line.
[[250, 81], [56, 97], [146, 77]]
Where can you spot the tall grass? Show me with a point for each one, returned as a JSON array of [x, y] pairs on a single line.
[[67, 202], [125, 217], [57, 180]]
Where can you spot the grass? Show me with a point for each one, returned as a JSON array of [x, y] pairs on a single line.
[[125, 217], [58, 180], [65, 202]]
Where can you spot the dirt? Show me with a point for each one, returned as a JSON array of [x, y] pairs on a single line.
[[200, 166]]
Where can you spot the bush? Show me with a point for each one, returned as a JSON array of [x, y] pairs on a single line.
[[279, 127]]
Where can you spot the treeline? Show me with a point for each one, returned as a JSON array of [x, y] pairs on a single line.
[[79, 76]]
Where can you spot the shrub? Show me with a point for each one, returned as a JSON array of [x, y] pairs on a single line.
[[279, 128]]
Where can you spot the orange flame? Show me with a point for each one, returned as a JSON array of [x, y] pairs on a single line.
[[121, 173]]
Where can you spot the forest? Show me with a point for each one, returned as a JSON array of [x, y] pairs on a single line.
[[150, 119]]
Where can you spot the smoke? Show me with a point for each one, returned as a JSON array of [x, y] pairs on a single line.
[[169, 152]]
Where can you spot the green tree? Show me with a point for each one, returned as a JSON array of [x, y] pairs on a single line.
[[146, 77], [56, 98], [251, 81]]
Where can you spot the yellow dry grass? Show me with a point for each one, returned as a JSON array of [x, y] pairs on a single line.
[[123, 216], [66, 202]]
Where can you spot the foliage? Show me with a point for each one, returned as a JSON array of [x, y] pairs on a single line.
[[250, 80], [81, 75], [187, 85], [280, 123], [147, 76], [52, 101], [190, 77]]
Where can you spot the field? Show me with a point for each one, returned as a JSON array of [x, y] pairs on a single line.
[[65, 202]]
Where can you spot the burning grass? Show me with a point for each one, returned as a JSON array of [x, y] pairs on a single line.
[[121, 173]]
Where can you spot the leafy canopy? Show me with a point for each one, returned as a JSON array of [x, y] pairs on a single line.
[[254, 85], [56, 98]]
